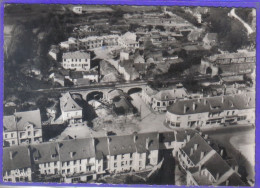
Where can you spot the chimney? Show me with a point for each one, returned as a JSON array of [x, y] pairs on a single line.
[[205, 101], [11, 154], [135, 136], [147, 143], [188, 138], [194, 106], [217, 176], [199, 100], [221, 152], [71, 154], [209, 142], [227, 182], [222, 99], [191, 151], [235, 168], [206, 136], [201, 155], [185, 109], [195, 147], [199, 169]]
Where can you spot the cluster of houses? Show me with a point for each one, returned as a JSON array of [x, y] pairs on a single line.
[[212, 111], [205, 166], [229, 63], [84, 160]]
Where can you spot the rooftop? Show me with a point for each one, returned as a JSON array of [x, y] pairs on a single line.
[[67, 103], [76, 55]]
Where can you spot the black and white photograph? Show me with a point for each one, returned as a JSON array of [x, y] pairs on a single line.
[[120, 94]]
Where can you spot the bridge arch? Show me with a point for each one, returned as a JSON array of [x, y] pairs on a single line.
[[94, 95], [134, 90]]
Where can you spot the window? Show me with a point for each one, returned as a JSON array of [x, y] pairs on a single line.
[[131, 155], [55, 163], [12, 135], [115, 165], [79, 60], [13, 142], [68, 170], [72, 60], [86, 59], [158, 103], [29, 133], [140, 163], [164, 103], [122, 163], [63, 171], [6, 135], [131, 162], [75, 162], [115, 157], [169, 143]]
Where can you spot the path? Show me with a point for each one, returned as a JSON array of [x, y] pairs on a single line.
[[248, 28]]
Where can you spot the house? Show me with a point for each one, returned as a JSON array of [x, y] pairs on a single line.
[[160, 99], [128, 70], [92, 76], [77, 9], [78, 61], [54, 52], [212, 111], [70, 109], [70, 44], [204, 166], [128, 40], [17, 164], [22, 128], [57, 78], [77, 158], [210, 39], [139, 59]]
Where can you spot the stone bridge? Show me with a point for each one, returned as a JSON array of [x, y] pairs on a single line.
[[102, 92]]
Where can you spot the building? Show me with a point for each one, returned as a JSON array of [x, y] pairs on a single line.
[[77, 159], [128, 40], [204, 166], [229, 63], [22, 128], [57, 78], [78, 61], [70, 109], [133, 152], [160, 99], [127, 69], [210, 39], [54, 52], [17, 164], [212, 111]]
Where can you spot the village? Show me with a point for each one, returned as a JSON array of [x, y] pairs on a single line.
[[124, 95]]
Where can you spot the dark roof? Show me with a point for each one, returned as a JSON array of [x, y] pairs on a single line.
[[202, 146], [214, 104], [181, 135], [45, 152], [20, 158], [76, 149], [213, 165], [76, 75], [101, 145], [20, 120], [167, 137], [147, 138], [121, 144], [233, 180]]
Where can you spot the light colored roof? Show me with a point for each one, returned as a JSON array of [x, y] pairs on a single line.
[[80, 148], [76, 55], [19, 120], [67, 103], [232, 55], [211, 36], [214, 104]]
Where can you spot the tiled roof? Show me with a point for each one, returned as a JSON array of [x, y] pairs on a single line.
[[147, 138], [166, 137], [214, 104], [202, 146], [45, 152], [121, 144], [233, 180], [213, 165], [101, 145], [76, 149], [181, 135], [76, 55], [20, 120], [20, 158], [67, 103], [232, 55]]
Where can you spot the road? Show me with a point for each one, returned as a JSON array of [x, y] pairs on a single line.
[[150, 121], [223, 136], [248, 28]]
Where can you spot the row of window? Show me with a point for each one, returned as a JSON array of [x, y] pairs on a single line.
[[125, 163], [76, 60]]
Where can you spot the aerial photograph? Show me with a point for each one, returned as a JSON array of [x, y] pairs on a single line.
[[111, 94]]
